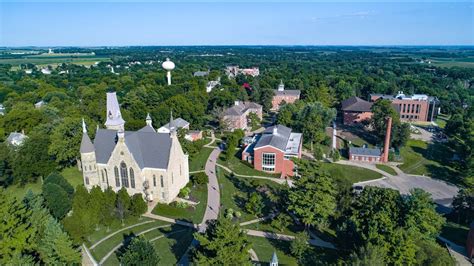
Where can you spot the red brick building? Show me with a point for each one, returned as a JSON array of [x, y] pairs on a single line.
[[356, 110], [281, 95], [273, 150], [236, 116], [416, 107], [365, 155]]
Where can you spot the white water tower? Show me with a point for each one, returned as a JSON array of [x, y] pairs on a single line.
[[168, 66]]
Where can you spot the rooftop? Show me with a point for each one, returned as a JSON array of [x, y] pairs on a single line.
[[365, 151], [356, 104], [281, 138], [177, 123], [240, 108]]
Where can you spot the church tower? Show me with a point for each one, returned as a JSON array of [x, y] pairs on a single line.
[[88, 159], [178, 164], [114, 117]]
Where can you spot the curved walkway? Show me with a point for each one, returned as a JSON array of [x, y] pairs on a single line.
[[315, 242], [213, 192], [116, 232]]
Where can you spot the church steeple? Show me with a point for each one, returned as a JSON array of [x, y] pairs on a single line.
[[114, 116], [281, 86], [86, 143], [171, 125], [148, 120]]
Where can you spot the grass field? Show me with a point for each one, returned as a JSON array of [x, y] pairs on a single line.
[[386, 168], [291, 229], [54, 61], [235, 192], [242, 168], [349, 174], [264, 249], [199, 161], [193, 214], [421, 158], [441, 120], [71, 174]]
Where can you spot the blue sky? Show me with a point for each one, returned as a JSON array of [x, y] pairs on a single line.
[[68, 23]]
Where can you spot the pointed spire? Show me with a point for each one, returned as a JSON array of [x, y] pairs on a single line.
[[281, 87], [114, 116], [148, 120], [84, 128], [172, 128]]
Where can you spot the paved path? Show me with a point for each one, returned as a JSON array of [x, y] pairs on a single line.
[[169, 220], [213, 193], [458, 252], [274, 179], [441, 192], [119, 245], [270, 216], [116, 232], [315, 242], [253, 255]]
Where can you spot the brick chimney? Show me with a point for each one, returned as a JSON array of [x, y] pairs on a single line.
[[386, 146]]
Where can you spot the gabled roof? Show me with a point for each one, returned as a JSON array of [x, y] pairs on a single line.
[[356, 104], [365, 151], [149, 149], [201, 73], [177, 123], [275, 136], [241, 108], [288, 92]]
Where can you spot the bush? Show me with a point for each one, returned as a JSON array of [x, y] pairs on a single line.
[[181, 205], [138, 206], [57, 200], [184, 192], [58, 179], [200, 178], [335, 155]]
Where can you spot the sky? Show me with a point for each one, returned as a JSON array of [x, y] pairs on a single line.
[[85, 23]]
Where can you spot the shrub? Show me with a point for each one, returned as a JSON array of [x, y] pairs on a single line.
[[181, 204], [200, 178], [184, 192]]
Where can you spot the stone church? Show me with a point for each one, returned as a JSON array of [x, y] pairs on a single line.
[[142, 161]]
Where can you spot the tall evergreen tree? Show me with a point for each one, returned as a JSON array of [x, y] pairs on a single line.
[[140, 252]]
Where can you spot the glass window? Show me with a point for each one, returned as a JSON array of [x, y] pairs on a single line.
[[87, 180], [103, 177], [268, 161], [162, 181], [132, 178], [124, 174], [117, 179], [154, 180]]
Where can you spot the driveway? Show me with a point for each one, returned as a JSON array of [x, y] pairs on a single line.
[[441, 192], [213, 193]]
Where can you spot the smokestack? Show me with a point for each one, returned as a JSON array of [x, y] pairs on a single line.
[[387, 140]]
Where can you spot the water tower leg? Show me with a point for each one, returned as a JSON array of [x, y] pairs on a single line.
[[168, 75]]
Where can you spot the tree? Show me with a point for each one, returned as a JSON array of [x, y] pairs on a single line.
[[421, 215], [122, 203], [313, 196], [253, 120], [463, 204], [200, 178], [299, 245], [281, 221], [255, 204], [82, 221], [430, 253], [56, 178], [66, 140], [369, 255], [57, 200], [382, 109], [223, 243], [140, 252], [16, 233], [138, 206], [108, 207]]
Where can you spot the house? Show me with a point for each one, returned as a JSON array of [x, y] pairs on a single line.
[[416, 107], [46, 71], [273, 150], [176, 124], [356, 110], [145, 161], [370, 155], [284, 96], [193, 135], [236, 116], [16, 139], [40, 104], [201, 73], [212, 84]]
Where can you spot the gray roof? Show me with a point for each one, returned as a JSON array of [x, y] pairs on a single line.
[[356, 104], [16, 137], [201, 73], [365, 151], [288, 92], [86, 144], [277, 139], [274, 258], [177, 123], [241, 108], [149, 149]]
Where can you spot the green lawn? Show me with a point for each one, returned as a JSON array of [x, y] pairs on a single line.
[[455, 232], [386, 168], [105, 247], [199, 161], [235, 192], [193, 214], [441, 120], [116, 225], [71, 174], [170, 248], [349, 174], [242, 168], [421, 158], [264, 249], [291, 230]]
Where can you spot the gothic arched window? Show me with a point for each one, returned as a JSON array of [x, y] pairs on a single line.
[[87, 180], [154, 180], [132, 178], [162, 181], [103, 177], [117, 178], [124, 174]]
